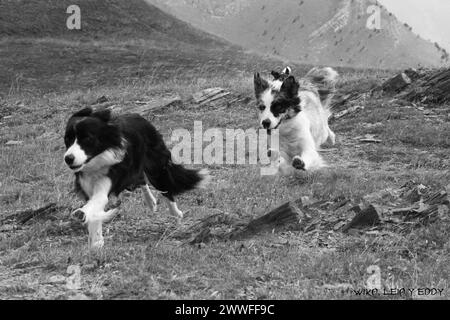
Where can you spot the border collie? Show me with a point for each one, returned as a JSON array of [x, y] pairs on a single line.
[[300, 110], [110, 154]]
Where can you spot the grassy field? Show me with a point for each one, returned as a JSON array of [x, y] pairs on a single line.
[[143, 258]]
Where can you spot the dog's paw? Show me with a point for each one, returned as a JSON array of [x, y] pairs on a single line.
[[298, 163], [110, 214], [114, 204], [79, 216]]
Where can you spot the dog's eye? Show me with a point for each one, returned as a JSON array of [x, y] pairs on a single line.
[[277, 109], [262, 107]]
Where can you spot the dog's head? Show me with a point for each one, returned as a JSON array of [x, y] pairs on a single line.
[[273, 105], [89, 134]]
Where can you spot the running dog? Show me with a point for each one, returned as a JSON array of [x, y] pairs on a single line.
[[109, 154], [300, 110]]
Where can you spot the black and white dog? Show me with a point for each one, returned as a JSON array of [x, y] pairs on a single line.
[[300, 110], [109, 154]]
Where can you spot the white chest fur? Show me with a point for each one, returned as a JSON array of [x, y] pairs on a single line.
[[92, 181]]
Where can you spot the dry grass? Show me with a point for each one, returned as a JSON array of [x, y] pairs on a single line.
[[47, 79], [141, 260]]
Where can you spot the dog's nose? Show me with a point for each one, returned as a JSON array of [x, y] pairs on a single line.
[[266, 124], [69, 159]]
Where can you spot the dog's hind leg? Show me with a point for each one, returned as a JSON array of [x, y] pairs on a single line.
[[331, 136], [173, 208], [149, 198]]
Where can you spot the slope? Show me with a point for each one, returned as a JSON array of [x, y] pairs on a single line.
[[312, 31]]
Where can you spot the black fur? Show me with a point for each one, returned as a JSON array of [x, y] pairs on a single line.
[[287, 99], [260, 85], [146, 152], [281, 76]]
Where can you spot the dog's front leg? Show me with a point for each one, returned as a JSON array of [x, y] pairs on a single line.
[[331, 136], [309, 158], [285, 168], [281, 162], [93, 213]]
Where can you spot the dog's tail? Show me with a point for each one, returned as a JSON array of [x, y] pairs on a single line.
[[181, 179], [324, 79]]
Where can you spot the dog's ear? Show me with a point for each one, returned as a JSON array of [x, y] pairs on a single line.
[[287, 70], [290, 87], [103, 114], [275, 75], [261, 85], [86, 112]]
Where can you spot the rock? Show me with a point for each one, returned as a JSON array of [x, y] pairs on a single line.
[[102, 99], [305, 201], [369, 138], [144, 107], [209, 95], [43, 212], [367, 217], [13, 143], [343, 99], [286, 215], [58, 279], [397, 83], [345, 112], [434, 87], [219, 98], [412, 73]]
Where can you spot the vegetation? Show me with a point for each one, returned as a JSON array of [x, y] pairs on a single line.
[[52, 75]]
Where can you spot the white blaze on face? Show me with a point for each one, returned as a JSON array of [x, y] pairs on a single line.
[[276, 85], [266, 99], [287, 70], [79, 155]]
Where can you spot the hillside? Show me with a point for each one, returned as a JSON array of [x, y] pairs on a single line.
[[100, 19], [119, 42], [311, 31]]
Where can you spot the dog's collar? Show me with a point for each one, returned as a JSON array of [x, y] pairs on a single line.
[[279, 124], [269, 131], [284, 118]]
